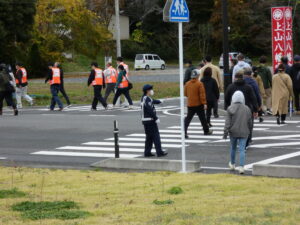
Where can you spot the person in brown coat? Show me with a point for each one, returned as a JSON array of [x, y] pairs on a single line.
[[282, 92], [195, 92]]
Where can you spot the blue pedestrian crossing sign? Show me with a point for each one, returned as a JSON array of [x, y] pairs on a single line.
[[179, 11]]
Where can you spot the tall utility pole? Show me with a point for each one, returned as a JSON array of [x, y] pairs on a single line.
[[227, 77], [117, 25]]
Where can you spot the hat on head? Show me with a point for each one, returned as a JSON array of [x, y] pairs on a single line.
[[297, 58], [194, 74], [147, 87]]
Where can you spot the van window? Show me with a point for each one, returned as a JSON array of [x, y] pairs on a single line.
[[139, 57], [150, 57], [156, 57]]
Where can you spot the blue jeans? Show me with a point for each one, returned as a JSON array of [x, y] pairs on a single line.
[[55, 99], [242, 146]]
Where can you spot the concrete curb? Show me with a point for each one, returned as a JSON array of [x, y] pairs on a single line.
[[276, 171], [147, 164]]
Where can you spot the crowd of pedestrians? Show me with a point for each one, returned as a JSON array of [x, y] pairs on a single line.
[[253, 93]]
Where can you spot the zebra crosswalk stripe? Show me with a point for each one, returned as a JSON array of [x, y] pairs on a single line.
[[162, 140], [130, 144], [80, 154]]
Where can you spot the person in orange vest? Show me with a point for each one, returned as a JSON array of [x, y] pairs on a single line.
[[96, 78], [120, 61], [54, 77], [122, 87], [110, 75], [21, 86], [62, 88]]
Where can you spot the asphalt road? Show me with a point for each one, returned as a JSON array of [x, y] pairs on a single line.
[[77, 137]]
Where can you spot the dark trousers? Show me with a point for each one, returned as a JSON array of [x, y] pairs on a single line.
[[210, 106], [98, 97], [297, 103], [125, 92], [249, 140], [109, 89], [216, 107], [199, 110], [7, 95], [54, 88], [63, 92], [152, 136]]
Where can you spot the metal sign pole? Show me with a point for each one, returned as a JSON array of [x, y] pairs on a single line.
[[181, 97]]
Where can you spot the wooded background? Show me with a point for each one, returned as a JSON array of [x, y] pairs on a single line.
[[38, 31]]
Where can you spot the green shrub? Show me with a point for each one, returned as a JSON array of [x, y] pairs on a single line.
[[13, 193], [163, 202], [175, 190]]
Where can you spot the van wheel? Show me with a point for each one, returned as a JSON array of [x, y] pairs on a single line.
[[147, 67], [163, 67]]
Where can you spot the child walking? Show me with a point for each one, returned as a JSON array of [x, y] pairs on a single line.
[[238, 125]]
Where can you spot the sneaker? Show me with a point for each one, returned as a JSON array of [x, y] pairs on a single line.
[[150, 155], [269, 112], [16, 112], [186, 136], [261, 119], [31, 103], [130, 107], [210, 132], [92, 109], [60, 109], [241, 170], [216, 116], [19, 106], [210, 125], [231, 166]]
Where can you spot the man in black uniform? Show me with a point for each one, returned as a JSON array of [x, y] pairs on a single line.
[[150, 121], [97, 79], [62, 87]]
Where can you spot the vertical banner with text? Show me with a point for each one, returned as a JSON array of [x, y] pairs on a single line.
[[282, 35]]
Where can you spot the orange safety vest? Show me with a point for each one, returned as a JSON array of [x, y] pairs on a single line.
[[126, 68], [98, 77], [24, 75], [55, 76], [124, 83], [110, 75]]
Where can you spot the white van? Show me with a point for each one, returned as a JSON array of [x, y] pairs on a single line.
[[149, 61]]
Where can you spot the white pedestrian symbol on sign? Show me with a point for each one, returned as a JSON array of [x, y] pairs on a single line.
[[179, 8]]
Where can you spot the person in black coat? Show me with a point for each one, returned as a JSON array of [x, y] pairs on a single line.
[[212, 92], [295, 75], [240, 85]]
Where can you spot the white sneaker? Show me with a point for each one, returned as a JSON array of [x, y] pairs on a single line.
[[231, 166], [241, 170], [130, 107]]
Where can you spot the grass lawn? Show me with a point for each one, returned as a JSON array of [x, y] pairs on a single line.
[[79, 93], [150, 198]]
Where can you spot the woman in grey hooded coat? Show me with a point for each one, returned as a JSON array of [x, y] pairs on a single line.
[[238, 125]]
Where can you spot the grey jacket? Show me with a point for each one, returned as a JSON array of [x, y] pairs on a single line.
[[239, 119]]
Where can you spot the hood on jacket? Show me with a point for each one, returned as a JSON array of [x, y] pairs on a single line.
[[238, 97]]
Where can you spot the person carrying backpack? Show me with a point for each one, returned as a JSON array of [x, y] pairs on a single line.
[[6, 89]]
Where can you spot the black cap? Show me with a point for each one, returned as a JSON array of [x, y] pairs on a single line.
[[147, 87]]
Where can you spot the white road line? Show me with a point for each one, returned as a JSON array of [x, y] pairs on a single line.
[[219, 168], [102, 115], [179, 136], [265, 121], [1, 158], [189, 132], [273, 160], [79, 154], [275, 144], [255, 125], [213, 128], [83, 148], [281, 137], [163, 140], [129, 144]]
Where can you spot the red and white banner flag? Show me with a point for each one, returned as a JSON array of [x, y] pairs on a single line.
[[282, 35]]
